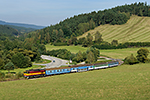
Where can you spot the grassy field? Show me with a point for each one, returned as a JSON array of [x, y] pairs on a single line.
[[135, 30], [121, 53], [42, 61], [120, 83]]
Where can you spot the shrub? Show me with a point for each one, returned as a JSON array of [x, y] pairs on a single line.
[[2, 75], [142, 55], [130, 60], [9, 75], [19, 75]]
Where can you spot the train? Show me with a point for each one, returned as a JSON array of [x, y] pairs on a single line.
[[70, 69]]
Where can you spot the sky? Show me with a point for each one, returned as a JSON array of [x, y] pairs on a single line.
[[50, 12]]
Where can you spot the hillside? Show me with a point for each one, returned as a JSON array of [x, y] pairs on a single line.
[[22, 29], [137, 29], [21, 25], [8, 30]]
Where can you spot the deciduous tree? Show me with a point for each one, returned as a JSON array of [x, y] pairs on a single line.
[[142, 55], [90, 57], [130, 60], [9, 66]]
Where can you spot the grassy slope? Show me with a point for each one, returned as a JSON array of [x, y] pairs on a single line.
[[135, 30], [122, 82]]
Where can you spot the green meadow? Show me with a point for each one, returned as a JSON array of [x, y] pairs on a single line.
[[119, 83], [121, 53]]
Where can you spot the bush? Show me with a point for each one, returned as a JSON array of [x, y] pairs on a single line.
[[2, 75], [142, 55], [19, 75], [9, 75], [130, 60]]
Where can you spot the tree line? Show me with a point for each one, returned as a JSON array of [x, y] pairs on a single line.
[[90, 56], [115, 45]]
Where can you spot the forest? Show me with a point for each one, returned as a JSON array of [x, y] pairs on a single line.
[[15, 51]]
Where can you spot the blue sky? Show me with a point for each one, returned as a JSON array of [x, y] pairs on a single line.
[[47, 12]]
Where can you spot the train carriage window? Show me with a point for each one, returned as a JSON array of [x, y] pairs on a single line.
[[67, 69], [50, 71]]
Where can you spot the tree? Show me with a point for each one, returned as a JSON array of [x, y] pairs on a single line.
[[95, 51], [98, 37], [90, 57], [1, 63], [21, 61], [114, 42], [9, 66], [79, 56], [140, 13], [130, 60], [54, 35], [81, 40], [85, 43], [60, 33], [142, 55], [89, 39], [73, 39], [27, 61], [92, 24]]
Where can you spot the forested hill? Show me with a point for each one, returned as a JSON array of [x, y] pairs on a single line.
[[78, 25], [22, 28], [21, 25], [8, 30]]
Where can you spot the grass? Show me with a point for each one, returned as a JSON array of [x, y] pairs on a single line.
[[121, 53], [42, 61], [73, 49], [135, 30], [122, 82]]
